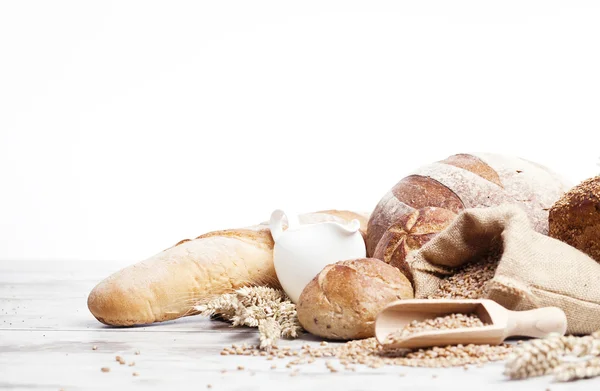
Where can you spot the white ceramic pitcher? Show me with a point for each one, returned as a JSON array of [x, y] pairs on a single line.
[[303, 250]]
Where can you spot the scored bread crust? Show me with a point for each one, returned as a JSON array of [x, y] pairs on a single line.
[[343, 300], [456, 183], [169, 284]]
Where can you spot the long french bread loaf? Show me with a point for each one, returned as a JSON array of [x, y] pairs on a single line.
[[426, 201], [168, 285]]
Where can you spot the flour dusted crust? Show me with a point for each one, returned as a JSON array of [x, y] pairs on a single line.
[[409, 233], [169, 284], [575, 218], [458, 182], [530, 185], [343, 300], [389, 210]]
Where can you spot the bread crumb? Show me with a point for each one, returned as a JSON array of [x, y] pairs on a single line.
[[240, 368], [94, 347], [135, 374], [137, 352], [209, 386], [132, 363], [273, 366], [105, 369]]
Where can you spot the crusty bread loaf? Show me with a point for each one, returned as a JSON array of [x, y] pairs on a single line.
[[342, 301], [575, 218], [426, 201], [169, 284]]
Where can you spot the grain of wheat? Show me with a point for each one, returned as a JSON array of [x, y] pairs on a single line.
[[370, 353], [452, 321], [469, 281]]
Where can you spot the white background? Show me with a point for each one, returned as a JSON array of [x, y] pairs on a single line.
[[127, 126]]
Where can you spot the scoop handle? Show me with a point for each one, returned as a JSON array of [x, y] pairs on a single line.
[[538, 323]]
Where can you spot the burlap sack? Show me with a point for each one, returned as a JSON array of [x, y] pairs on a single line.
[[534, 270]]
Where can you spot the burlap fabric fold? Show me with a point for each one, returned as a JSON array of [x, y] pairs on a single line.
[[534, 270]]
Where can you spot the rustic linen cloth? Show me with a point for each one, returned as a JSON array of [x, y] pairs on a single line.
[[534, 270]]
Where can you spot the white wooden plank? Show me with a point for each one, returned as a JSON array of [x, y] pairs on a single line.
[[73, 314], [47, 334], [66, 360], [45, 299]]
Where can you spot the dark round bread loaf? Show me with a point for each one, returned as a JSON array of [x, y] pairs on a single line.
[[426, 201], [575, 218]]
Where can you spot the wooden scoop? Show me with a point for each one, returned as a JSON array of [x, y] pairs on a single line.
[[500, 323]]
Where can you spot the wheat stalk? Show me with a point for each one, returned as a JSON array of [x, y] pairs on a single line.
[[547, 356], [267, 309]]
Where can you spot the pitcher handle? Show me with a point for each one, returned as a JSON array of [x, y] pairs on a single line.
[[276, 222]]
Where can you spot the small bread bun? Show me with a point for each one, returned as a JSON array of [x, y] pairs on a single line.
[[342, 301]]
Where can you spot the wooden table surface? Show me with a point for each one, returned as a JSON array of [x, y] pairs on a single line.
[[47, 336]]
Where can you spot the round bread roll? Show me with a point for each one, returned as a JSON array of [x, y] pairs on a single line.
[[342, 301], [575, 218]]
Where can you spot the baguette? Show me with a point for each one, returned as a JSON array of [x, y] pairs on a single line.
[[168, 285]]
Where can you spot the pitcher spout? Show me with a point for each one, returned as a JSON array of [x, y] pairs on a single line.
[[352, 227]]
